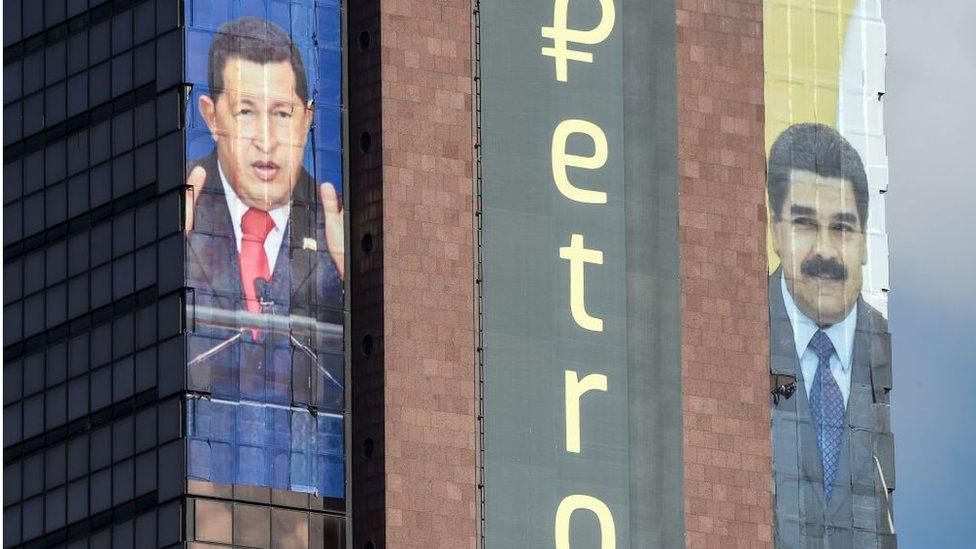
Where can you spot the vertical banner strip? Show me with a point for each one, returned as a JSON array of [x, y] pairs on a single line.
[[581, 296], [653, 275]]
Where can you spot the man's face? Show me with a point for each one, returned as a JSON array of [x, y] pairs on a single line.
[[260, 126], [819, 239]]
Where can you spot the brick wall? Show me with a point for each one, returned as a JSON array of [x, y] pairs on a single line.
[[728, 478], [423, 209]]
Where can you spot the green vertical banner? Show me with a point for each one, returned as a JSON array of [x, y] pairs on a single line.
[[581, 294]]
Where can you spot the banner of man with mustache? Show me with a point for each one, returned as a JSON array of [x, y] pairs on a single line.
[[830, 359]]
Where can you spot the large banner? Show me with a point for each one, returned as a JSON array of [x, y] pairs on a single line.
[[580, 309], [265, 244], [830, 353]]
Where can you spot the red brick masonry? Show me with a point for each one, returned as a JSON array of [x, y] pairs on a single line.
[[728, 477], [422, 491]]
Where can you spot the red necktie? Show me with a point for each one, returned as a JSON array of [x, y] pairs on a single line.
[[256, 224]]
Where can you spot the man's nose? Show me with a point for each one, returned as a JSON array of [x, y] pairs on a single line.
[[265, 137], [827, 246]]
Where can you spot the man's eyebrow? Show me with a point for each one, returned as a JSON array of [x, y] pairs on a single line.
[[282, 103], [846, 217], [802, 210]]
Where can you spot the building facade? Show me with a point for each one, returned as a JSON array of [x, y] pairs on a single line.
[[401, 273]]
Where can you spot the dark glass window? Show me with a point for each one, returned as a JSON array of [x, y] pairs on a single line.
[[55, 62], [145, 428], [54, 104], [99, 42], [56, 204], [99, 84], [101, 243], [101, 286], [122, 74], [101, 445], [56, 309], [145, 267], [123, 482], [145, 473], [12, 482], [33, 314], [78, 293], [56, 407], [100, 497], [78, 355], [78, 151], [33, 172], [34, 518], [145, 220], [55, 466], [77, 52], [13, 379], [33, 373], [12, 81], [33, 416], [54, 509], [13, 283], [146, 370], [144, 21], [77, 398], [123, 380], [145, 64], [33, 72], [13, 181], [78, 500], [54, 12], [34, 114], [12, 222], [57, 364], [122, 180], [123, 276], [33, 474], [122, 32], [101, 388], [57, 262], [77, 95], [34, 208], [78, 199], [78, 457]]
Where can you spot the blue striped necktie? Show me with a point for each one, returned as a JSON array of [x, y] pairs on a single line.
[[827, 411]]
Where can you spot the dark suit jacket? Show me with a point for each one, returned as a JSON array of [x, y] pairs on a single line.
[[305, 287], [858, 512]]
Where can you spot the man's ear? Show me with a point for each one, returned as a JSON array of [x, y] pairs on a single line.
[[309, 114], [208, 109], [775, 230]]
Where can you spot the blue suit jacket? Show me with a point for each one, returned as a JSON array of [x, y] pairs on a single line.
[[295, 363], [305, 283]]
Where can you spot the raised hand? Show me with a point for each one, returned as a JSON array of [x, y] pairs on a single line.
[[194, 188], [335, 237]]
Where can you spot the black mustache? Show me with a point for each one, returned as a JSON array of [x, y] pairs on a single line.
[[824, 268]]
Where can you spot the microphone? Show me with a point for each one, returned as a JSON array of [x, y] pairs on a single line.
[[263, 289], [785, 390]]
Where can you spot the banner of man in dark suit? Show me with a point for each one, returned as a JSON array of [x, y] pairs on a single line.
[[830, 351], [265, 261]]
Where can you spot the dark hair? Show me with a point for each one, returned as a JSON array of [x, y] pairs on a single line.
[[257, 40], [819, 149]]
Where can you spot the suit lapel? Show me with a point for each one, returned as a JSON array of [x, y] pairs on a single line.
[[785, 361], [212, 244]]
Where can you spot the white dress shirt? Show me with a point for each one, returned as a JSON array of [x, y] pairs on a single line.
[[841, 336], [237, 210]]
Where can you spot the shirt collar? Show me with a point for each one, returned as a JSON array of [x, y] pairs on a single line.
[[841, 334], [238, 208]]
